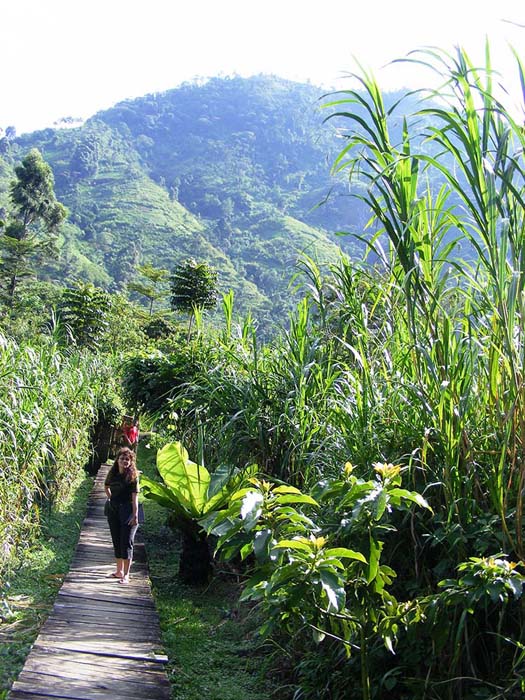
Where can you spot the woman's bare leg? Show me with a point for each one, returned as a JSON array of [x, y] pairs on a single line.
[[125, 570], [119, 571]]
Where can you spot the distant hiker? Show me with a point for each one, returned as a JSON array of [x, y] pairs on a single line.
[[131, 434], [127, 434], [122, 509]]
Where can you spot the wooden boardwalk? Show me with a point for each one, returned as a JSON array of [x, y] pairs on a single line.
[[102, 639]]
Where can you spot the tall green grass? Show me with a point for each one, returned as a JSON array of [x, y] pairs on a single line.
[[462, 325], [47, 405], [269, 403]]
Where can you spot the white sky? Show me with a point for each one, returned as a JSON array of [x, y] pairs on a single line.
[[63, 58]]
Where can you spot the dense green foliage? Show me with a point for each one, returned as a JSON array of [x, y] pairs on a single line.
[[48, 404], [387, 421], [408, 366], [152, 286], [83, 313], [190, 492]]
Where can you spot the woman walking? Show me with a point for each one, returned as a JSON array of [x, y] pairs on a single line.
[[122, 489]]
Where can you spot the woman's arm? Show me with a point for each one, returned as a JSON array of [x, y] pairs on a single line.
[[134, 519], [107, 481]]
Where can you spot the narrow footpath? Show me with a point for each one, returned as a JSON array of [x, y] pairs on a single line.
[[102, 639]]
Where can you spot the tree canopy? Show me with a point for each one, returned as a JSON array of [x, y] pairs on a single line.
[[35, 216]]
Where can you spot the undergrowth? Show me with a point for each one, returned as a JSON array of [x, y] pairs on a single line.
[[28, 590]]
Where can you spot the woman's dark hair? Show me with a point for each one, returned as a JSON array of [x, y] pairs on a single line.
[[132, 473]]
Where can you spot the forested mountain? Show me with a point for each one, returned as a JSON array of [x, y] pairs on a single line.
[[228, 172]]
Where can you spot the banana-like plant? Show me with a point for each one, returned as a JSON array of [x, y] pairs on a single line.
[[190, 492]]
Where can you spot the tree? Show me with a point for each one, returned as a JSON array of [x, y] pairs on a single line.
[[84, 311], [7, 139], [36, 215], [151, 289], [193, 288]]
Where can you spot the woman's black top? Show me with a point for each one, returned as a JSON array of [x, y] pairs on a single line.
[[121, 489]]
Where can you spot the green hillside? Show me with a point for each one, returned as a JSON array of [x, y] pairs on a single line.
[[228, 172]]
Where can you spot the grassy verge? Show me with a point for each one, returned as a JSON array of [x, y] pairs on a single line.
[[209, 638], [30, 589]]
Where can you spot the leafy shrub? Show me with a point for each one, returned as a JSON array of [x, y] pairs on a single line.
[[305, 577], [159, 328], [190, 492]]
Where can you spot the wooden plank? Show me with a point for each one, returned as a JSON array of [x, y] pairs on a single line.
[[142, 625], [100, 658], [127, 683], [103, 570], [86, 690], [102, 574], [120, 599], [92, 687], [61, 610], [21, 695], [143, 651], [110, 619], [115, 593], [84, 665], [104, 603], [88, 630], [104, 580], [101, 610]]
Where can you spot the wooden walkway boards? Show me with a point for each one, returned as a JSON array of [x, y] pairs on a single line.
[[102, 639]]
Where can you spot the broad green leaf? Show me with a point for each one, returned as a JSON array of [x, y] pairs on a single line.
[[220, 477], [516, 586], [238, 495], [246, 550], [285, 574], [334, 590], [344, 553], [373, 560], [251, 509], [286, 489], [158, 492], [380, 504], [223, 481], [188, 481], [300, 544], [294, 517], [229, 536], [261, 543], [318, 636], [257, 581], [356, 492], [412, 496], [296, 498], [388, 643]]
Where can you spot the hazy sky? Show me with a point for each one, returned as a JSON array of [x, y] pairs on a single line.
[[73, 57]]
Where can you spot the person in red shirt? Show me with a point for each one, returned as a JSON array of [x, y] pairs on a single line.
[[128, 433], [131, 433]]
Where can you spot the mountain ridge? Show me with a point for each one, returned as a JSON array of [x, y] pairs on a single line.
[[228, 172]]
